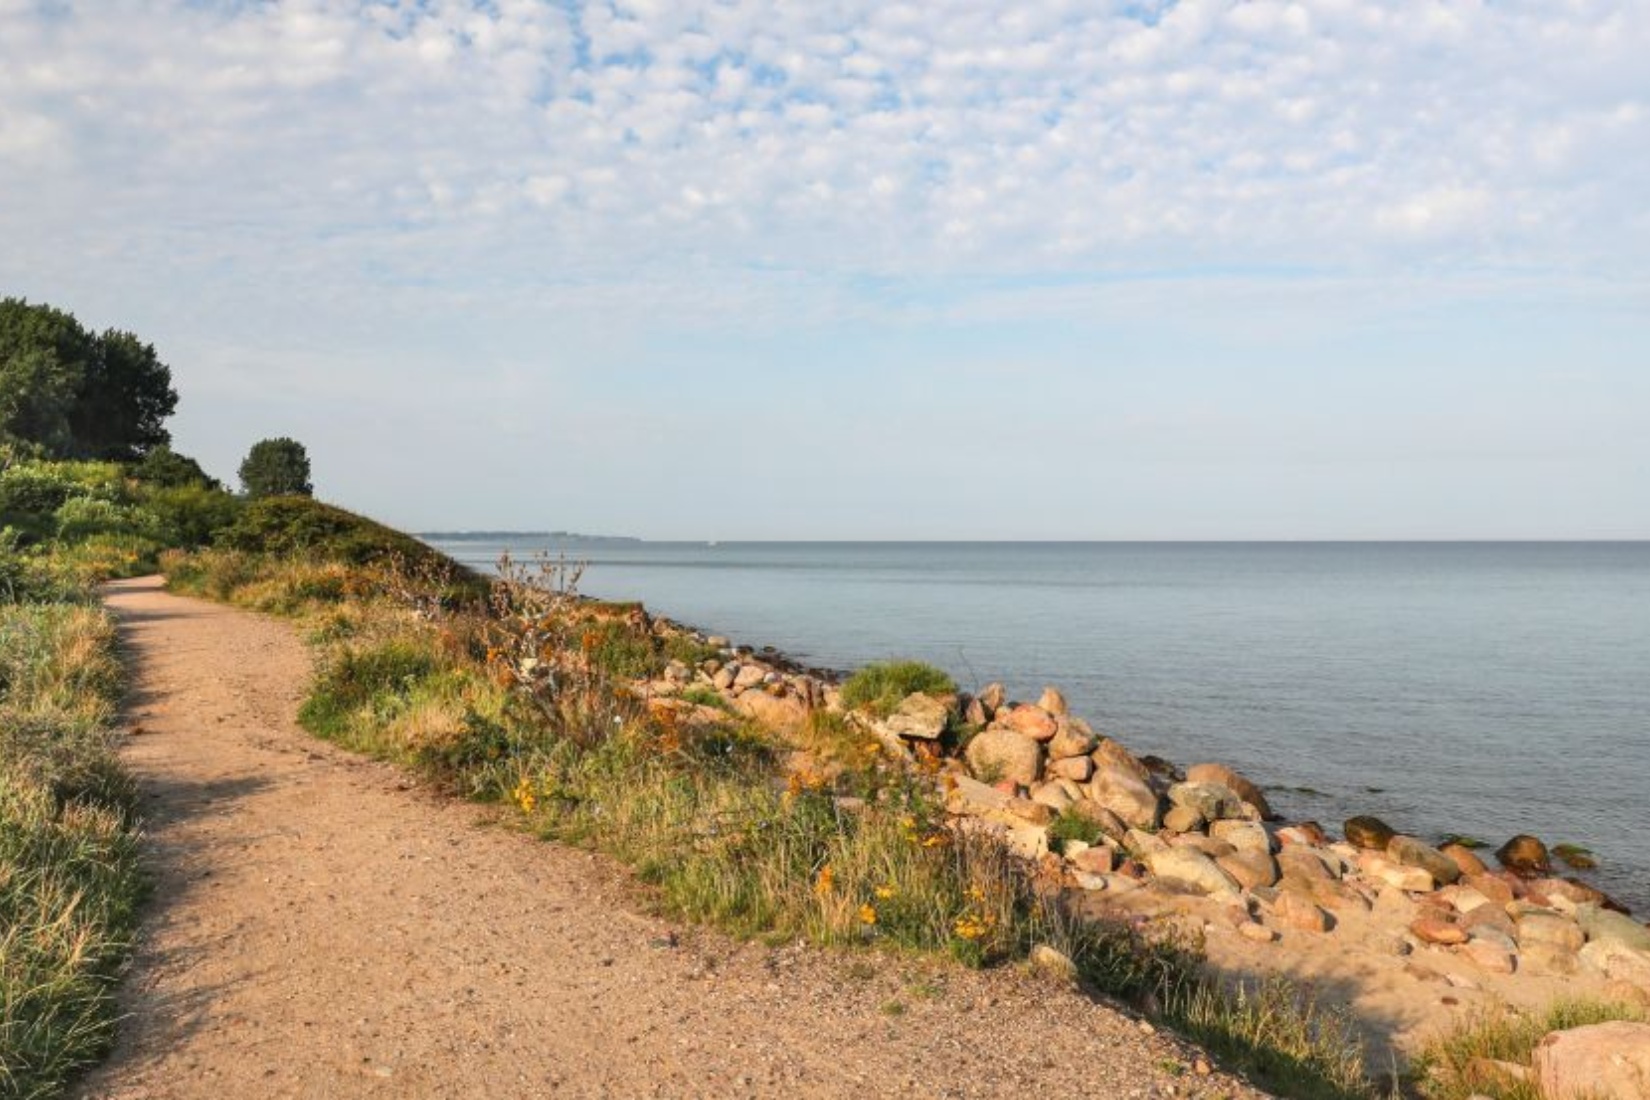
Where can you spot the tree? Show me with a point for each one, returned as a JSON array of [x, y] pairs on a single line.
[[166, 468], [125, 394], [276, 467]]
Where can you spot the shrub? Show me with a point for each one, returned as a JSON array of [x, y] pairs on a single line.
[[880, 688], [190, 516], [1069, 826], [276, 468], [355, 680]]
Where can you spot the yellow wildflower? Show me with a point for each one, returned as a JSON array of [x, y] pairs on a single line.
[[823, 884], [884, 892], [867, 914]]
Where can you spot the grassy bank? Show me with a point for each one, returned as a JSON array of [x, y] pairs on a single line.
[[523, 696]]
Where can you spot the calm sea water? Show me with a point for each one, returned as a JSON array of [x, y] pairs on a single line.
[[1484, 689]]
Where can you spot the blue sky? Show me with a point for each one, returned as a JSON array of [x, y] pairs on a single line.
[[956, 269]]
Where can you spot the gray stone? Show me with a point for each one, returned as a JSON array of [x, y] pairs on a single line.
[[1410, 852], [1125, 794], [1003, 754], [1192, 868], [920, 716], [1604, 926]]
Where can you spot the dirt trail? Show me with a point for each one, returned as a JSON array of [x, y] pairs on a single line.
[[320, 928]]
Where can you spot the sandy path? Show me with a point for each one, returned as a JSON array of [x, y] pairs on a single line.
[[322, 929]]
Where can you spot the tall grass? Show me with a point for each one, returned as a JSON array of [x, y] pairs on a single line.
[[69, 884], [1452, 1065]]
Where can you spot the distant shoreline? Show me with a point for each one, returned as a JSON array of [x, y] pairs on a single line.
[[497, 536]]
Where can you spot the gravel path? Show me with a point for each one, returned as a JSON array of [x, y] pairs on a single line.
[[321, 927]]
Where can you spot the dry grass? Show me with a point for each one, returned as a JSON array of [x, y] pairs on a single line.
[[1450, 1066]]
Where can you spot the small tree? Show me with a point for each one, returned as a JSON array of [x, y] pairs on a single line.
[[166, 468], [276, 467]]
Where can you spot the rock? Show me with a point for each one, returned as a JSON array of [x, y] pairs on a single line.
[[1108, 822], [1071, 741], [1611, 1059], [1096, 860], [1027, 809], [1525, 855], [920, 716], [1221, 775], [1618, 963], [1550, 891], [1304, 863], [1545, 958], [1410, 852], [723, 679], [1003, 754], [1053, 702], [1029, 721], [1052, 795], [971, 797], [1140, 844], [1250, 869], [1259, 933], [1308, 834], [749, 676], [1603, 926], [716, 641], [1430, 929], [1077, 768], [1123, 793], [1245, 836], [783, 714], [1491, 887], [1627, 993], [974, 713], [1550, 930], [677, 672], [1211, 800], [1191, 868], [1293, 911], [1182, 819], [991, 699], [1208, 845], [1489, 955], [1109, 754], [1464, 859], [1053, 963], [1415, 880], [1490, 917], [1368, 832], [1462, 899]]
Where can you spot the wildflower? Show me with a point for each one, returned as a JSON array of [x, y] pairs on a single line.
[[867, 914], [884, 892], [969, 927], [823, 884], [524, 795], [976, 893], [935, 840]]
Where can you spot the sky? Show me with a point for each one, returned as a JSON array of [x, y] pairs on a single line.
[[869, 270]]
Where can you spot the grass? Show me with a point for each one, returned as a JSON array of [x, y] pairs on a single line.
[[69, 884], [1444, 1070], [881, 687]]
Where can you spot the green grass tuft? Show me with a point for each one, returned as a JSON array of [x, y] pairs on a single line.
[[880, 688]]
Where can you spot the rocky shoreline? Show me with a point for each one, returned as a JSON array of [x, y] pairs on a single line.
[[1409, 932]]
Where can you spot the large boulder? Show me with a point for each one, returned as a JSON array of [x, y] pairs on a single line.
[[1364, 831], [1410, 852], [1107, 821], [1525, 855], [1610, 1059], [784, 714], [1212, 801], [1124, 794], [1071, 739], [997, 754], [920, 716], [1245, 836], [1029, 721], [1109, 754], [1053, 702], [1603, 926], [1191, 868], [1223, 776]]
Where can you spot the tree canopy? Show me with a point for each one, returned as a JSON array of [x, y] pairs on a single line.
[[276, 467], [72, 393]]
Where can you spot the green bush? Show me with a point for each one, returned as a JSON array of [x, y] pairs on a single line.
[[190, 516], [1069, 826], [622, 651], [880, 688], [355, 680]]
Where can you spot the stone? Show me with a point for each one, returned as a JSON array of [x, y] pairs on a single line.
[[1251, 869], [1259, 933], [677, 672], [783, 714], [1410, 852], [1308, 834], [1549, 929], [971, 797], [991, 699], [1525, 855], [1463, 899], [920, 716], [1096, 860], [1070, 741], [1109, 754], [1304, 863], [1490, 917], [1603, 926], [1209, 846], [723, 679], [1491, 886], [1125, 794], [1489, 955], [1053, 964], [1415, 880], [1627, 993], [1212, 801], [973, 712], [1191, 868], [1245, 836], [749, 676], [1294, 911], [1028, 810], [1368, 832], [1430, 929], [1029, 721], [1464, 859], [1107, 822], [1077, 768], [716, 641], [1610, 1059], [1545, 958], [1618, 963], [1003, 754], [1052, 795], [1053, 702], [1223, 776], [1182, 819], [1139, 844]]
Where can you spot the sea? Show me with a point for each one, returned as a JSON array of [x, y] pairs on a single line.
[[1474, 689]]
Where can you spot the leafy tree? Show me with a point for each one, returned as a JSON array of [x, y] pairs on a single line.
[[166, 468], [276, 467], [125, 394]]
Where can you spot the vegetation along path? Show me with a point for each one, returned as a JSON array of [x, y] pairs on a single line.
[[321, 927]]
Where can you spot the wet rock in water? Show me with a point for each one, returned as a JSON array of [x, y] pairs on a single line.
[[1212, 801], [1233, 781], [1610, 1059], [1125, 794], [920, 716], [1182, 819], [1003, 754], [1525, 855], [1070, 740], [1433, 929], [1536, 929], [1193, 869], [1053, 702], [1251, 869], [1410, 852], [1464, 859], [1307, 833], [1033, 722], [1368, 832], [1604, 926]]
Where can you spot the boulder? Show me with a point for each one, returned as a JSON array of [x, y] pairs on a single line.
[[1307, 833], [1304, 863], [1191, 868], [1464, 859], [1182, 819], [974, 713], [1245, 836], [1053, 702], [919, 716], [784, 714], [1109, 823], [1549, 930], [1212, 801], [1618, 963], [1208, 845], [1078, 768], [1603, 926], [971, 797], [1125, 794], [1029, 721], [1096, 860], [1052, 795], [1293, 911], [1140, 844], [995, 754], [1435, 929], [991, 699], [749, 676], [723, 679], [1109, 754], [1223, 776], [1611, 1059], [1525, 855], [1410, 852], [1250, 869], [1491, 886], [1071, 741], [1368, 832]]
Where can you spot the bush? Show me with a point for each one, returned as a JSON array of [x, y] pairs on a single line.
[[275, 468], [190, 516], [880, 688], [357, 680]]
